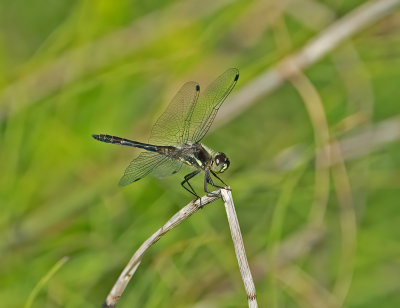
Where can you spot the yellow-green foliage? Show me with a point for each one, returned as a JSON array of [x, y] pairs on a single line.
[[73, 68]]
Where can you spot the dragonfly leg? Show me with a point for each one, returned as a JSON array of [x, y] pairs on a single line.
[[186, 180], [207, 179], [214, 174]]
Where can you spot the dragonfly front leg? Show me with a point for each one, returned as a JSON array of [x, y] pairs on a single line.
[[207, 179], [214, 174], [186, 180]]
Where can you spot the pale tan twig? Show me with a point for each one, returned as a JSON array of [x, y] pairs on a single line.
[[174, 221], [239, 247], [134, 262], [293, 247]]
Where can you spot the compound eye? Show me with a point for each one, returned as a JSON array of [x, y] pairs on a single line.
[[220, 158]]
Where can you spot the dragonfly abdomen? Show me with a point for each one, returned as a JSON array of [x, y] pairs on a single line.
[[126, 142]]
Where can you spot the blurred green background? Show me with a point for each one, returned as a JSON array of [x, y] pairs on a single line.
[[321, 228]]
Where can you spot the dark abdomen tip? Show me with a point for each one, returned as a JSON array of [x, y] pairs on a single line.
[[103, 138]]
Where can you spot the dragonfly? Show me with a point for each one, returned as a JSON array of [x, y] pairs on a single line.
[[176, 136]]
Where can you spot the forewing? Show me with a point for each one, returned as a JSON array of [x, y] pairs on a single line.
[[167, 167], [209, 102], [141, 166], [172, 127]]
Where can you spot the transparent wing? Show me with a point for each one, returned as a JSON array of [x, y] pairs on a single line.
[[167, 167], [209, 102], [141, 166], [172, 127]]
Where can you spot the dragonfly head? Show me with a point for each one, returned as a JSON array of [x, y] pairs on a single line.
[[221, 162]]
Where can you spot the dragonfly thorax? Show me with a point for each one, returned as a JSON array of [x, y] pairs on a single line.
[[218, 162]]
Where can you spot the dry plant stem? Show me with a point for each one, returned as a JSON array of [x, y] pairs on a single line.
[[367, 140], [134, 262], [337, 33], [239, 247], [348, 224], [315, 109]]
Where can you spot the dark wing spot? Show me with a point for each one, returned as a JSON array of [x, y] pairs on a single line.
[[197, 87], [236, 77]]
